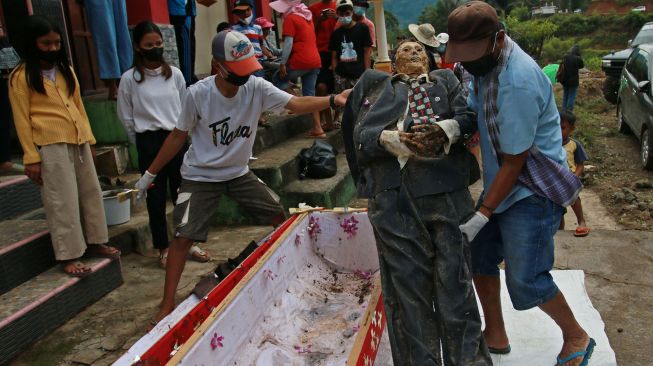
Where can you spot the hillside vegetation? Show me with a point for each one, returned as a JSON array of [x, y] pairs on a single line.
[[407, 11]]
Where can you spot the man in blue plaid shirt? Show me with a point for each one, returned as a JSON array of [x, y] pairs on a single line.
[[526, 181]]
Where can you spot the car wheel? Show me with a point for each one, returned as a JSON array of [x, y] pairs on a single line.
[[621, 122], [611, 89], [647, 149]]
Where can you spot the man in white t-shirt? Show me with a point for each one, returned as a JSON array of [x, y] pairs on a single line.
[[221, 113]]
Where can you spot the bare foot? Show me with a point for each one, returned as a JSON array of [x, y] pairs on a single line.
[[163, 312], [75, 268], [497, 340], [574, 344]]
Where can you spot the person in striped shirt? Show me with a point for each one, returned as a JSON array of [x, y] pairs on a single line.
[[243, 10]]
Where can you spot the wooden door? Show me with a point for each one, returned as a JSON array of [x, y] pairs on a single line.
[[84, 57]]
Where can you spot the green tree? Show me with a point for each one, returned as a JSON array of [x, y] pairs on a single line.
[[437, 14], [531, 34], [521, 12]]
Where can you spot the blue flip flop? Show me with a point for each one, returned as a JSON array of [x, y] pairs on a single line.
[[586, 354]]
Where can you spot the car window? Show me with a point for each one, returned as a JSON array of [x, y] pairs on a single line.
[[644, 36], [638, 65]]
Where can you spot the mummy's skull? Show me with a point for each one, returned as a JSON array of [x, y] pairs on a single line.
[[411, 59]]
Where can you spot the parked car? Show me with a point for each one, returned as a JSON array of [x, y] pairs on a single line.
[[635, 101], [614, 62]]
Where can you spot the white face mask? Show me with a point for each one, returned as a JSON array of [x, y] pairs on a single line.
[[247, 20]]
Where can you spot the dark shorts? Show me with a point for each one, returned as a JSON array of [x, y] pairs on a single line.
[[197, 202], [343, 83], [522, 236], [326, 75]]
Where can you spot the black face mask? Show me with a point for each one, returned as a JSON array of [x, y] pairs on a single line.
[[153, 54], [482, 66], [237, 80], [48, 56]]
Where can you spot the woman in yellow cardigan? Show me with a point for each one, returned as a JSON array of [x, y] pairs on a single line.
[[56, 138]]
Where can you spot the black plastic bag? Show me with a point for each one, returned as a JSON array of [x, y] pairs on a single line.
[[318, 161]]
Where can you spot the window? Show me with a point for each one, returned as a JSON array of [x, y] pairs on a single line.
[[638, 65]]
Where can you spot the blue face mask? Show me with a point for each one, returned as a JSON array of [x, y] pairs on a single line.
[[441, 49], [359, 10], [344, 20]]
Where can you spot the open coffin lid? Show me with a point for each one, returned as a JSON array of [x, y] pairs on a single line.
[[310, 293]]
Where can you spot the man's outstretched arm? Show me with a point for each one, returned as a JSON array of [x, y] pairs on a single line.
[[301, 105]]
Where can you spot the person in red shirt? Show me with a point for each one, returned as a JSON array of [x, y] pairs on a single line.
[[299, 57], [325, 19]]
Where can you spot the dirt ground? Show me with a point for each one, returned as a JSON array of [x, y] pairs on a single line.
[[615, 172]]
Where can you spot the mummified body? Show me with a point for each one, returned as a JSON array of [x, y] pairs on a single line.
[[404, 136]]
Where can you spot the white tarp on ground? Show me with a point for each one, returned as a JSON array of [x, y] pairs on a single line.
[[534, 337]]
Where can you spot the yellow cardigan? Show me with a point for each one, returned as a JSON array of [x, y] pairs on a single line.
[[45, 119]]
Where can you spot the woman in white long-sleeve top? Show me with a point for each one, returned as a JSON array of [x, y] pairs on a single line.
[[149, 104]]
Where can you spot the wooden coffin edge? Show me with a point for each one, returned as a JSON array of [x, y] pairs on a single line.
[[369, 335], [204, 327]]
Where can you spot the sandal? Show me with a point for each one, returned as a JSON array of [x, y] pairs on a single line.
[[581, 231], [103, 251], [163, 259], [334, 126], [75, 268], [312, 135], [586, 355], [199, 255]]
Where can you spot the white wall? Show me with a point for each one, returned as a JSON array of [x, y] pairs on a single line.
[[205, 23]]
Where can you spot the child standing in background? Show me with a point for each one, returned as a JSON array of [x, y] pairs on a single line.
[[149, 104], [56, 137], [576, 158]]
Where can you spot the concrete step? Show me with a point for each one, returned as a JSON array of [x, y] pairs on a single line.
[[25, 251], [18, 195], [280, 129], [279, 165], [40, 305], [336, 191]]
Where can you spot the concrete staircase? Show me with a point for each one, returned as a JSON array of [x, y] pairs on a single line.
[[36, 296]]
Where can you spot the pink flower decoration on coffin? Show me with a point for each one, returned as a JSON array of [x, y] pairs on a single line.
[[301, 349], [298, 240], [314, 227], [363, 274], [269, 274], [350, 226], [281, 260], [216, 341]]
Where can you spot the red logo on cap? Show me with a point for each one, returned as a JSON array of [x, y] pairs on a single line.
[[241, 49]]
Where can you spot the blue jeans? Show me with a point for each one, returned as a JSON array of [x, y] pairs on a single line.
[[569, 97], [522, 236], [309, 79]]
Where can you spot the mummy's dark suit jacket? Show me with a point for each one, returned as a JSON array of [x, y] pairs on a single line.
[[377, 102]]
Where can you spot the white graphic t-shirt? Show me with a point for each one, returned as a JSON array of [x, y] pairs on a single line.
[[223, 130]]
